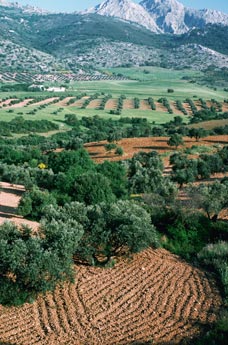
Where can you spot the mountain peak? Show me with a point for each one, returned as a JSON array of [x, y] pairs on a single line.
[[168, 14], [126, 10]]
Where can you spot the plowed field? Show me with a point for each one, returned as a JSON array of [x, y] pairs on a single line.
[[155, 296], [133, 145]]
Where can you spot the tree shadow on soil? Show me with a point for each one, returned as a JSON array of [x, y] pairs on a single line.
[[11, 191], [162, 148]]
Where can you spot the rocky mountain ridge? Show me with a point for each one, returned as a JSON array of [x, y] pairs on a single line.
[[160, 16], [126, 10], [25, 9]]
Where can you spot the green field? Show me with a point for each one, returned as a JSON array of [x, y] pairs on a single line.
[[149, 82]]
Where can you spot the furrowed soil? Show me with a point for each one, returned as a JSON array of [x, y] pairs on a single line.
[[155, 296]]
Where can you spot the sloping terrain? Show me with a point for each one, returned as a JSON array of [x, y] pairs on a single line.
[[71, 41], [155, 296]]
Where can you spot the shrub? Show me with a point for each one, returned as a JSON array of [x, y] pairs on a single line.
[[216, 256]]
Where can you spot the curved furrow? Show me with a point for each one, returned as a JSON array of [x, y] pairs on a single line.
[[60, 309], [130, 284], [117, 275], [122, 316], [154, 296], [83, 316], [44, 316]]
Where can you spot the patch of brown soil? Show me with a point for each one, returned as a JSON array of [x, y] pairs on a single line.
[[79, 102], [133, 145], [144, 104], [160, 107], [7, 102], [111, 104], [198, 105], [64, 102], [210, 124], [225, 107], [173, 106], [45, 101], [187, 108], [128, 104], [10, 196], [155, 296], [94, 104], [21, 104]]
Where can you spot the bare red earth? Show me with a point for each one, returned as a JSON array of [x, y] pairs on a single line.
[[134, 145], [155, 296]]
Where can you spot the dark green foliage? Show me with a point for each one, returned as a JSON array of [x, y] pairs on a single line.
[[34, 263], [146, 175], [78, 161], [110, 147], [175, 140], [109, 229], [119, 151], [197, 133], [117, 175], [92, 188], [212, 198], [187, 235], [34, 202], [20, 125], [216, 256]]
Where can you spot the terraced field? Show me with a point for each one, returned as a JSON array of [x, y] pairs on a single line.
[[155, 296], [111, 104]]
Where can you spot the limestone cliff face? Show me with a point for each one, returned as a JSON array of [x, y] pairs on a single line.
[[171, 16], [126, 10], [160, 16]]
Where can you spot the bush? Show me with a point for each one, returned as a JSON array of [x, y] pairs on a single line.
[[109, 230], [216, 256], [35, 262], [119, 151]]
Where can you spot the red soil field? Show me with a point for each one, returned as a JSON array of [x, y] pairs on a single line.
[[7, 102], [128, 104], [63, 103], [144, 105], [225, 107], [94, 104], [155, 296], [174, 107], [198, 105], [152, 296], [210, 124], [160, 107], [21, 104], [79, 102], [134, 145], [111, 104], [45, 101]]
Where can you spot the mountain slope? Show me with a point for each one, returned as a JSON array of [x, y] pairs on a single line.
[[96, 41], [126, 10], [171, 16]]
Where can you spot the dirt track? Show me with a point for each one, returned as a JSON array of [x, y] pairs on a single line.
[[10, 196], [155, 296]]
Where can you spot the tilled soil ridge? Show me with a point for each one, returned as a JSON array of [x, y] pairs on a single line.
[[155, 296]]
